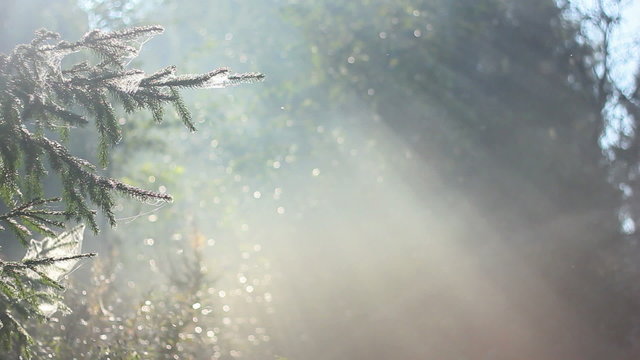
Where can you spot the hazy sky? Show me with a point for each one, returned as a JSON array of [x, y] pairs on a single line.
[[625, 43]]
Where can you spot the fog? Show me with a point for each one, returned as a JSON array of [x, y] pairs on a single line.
[[391, 190]]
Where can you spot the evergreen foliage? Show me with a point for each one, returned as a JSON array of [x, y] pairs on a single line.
[[39, 97], [40, 102], [31, 288]]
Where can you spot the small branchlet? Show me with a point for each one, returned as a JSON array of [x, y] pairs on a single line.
[[36, 215], [32, 287]]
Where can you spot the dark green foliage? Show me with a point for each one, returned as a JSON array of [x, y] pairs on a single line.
[[30, 214]]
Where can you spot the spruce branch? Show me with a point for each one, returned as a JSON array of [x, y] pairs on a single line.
[[186, 81], [38, 95], [32, 263], [31, 214]]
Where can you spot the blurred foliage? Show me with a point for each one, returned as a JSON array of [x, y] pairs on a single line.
[[502, 99], [185, 315], [514, 97]]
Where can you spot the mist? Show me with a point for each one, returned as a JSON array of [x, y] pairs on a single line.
[[418, 181]]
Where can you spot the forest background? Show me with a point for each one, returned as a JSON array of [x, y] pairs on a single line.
[[415, 179]]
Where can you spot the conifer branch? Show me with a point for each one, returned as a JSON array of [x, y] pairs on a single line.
[[37, 97], [37, 94]]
